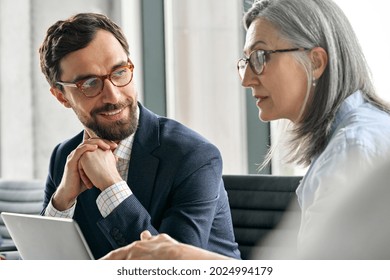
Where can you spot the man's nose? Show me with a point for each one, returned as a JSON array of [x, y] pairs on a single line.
[[110, 92]]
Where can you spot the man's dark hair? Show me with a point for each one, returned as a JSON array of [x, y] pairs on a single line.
[[66, 36]]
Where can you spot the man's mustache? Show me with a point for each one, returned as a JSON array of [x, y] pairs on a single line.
[[111, 107]]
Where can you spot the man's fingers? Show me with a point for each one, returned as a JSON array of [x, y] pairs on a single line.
[[84, 178], [119, 254], [145, 235], [82, 149], [101, 143]]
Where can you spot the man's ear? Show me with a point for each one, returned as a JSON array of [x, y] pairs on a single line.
[[319, 58], [57, 93]]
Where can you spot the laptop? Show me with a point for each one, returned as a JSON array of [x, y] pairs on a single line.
[[46, 238]]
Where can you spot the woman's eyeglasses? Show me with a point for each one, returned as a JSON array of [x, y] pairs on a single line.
[[257, 60]]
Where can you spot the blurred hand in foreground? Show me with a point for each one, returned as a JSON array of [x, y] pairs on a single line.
[[161, 247]]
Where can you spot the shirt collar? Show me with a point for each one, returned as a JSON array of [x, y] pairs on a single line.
[[123, 150], [350, 103]]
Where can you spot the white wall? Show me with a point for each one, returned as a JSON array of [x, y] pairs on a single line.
[[371, 22], [204, 41], [16, 114]]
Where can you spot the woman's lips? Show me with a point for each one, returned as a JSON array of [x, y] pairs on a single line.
[[260, 99]]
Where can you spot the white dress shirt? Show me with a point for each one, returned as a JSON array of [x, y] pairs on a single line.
[[359, 143]]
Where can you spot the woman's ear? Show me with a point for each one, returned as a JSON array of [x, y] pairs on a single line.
[[57, 93], [319, 58]]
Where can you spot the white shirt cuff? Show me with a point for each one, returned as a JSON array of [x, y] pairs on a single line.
[[111, 197], [53, 212]]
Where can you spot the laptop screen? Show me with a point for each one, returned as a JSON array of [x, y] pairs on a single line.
[[46, 238]]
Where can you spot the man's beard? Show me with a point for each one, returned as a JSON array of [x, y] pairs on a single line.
[[117, 130]]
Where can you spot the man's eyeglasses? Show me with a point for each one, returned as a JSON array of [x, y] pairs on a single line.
[[257, 60], [92, 86]]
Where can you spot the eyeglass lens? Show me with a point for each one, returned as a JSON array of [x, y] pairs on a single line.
[[255, 60], [119, 77]]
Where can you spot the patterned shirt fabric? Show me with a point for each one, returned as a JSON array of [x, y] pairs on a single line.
[[111, 197], [53, 212], [123, 152]]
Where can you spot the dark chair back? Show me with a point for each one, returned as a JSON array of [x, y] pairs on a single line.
[[257, 204]]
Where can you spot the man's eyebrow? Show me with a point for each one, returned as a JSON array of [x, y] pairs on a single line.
[[122, 63], [86, 76]]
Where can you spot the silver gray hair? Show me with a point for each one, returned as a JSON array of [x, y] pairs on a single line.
[[310, 24]]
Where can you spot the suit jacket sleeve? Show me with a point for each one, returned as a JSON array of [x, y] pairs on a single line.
[[184, 209]]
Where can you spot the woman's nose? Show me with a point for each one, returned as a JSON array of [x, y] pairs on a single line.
[[249, 78]]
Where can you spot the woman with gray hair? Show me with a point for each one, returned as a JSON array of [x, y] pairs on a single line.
[[304, 63]]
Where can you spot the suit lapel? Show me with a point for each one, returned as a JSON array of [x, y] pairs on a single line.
[[143, 165]]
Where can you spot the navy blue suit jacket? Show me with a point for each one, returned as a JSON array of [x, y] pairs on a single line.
[[176, 179]]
